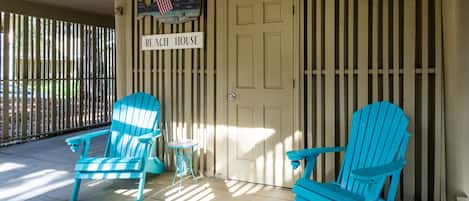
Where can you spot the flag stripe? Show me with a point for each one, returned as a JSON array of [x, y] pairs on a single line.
[[164, 6]]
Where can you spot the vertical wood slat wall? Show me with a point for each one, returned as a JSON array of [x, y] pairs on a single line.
[[361, 51], [183, 81], [55, 77], [353, 52]]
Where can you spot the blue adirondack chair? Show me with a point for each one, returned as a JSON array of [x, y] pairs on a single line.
[[129, 153], [375, 151]]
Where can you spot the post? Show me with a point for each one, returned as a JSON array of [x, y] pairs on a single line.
[[456, 65]]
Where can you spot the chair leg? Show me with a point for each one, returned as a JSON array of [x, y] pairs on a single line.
[[76, 188], [141, 187]]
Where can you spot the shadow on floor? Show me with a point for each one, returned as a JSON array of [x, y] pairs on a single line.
[[43, 171]]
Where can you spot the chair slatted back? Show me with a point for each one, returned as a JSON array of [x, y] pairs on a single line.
[[133, 115], [378, 136]]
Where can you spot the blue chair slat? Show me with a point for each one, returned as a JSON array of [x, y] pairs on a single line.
[[312, 190], [377, 143], [109, 164], [133, 130]]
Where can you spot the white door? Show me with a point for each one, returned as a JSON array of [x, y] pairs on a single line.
[[260, 86]]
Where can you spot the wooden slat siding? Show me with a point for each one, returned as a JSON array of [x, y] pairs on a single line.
[[210, 104], [14, 23], [54, 75], [43, 78], [330, 88], [195, 100], [374, 50], [386, 48], [160, 91], [188, 86], [198, 94], [90, 73], [390, 54], [60, 75], [87, 48], [310, 38], [85, 76], [167, 91], [173, 88], [81, 76], [439, 187], [363, 34], [320, 173], [29, 74], [179, 82], [135, 46], [141, 65], [409, 94], [352, 33], [39, 63], [185, 81], [97, 62], [202, 88], [68, 87], [73, 52], [104, 75], [342, 87], [100, 75], [16, 64], [6, 63], [386, 42], [45, 65], [424, 106], [93, 72], [396, 51], [42, 70], [146, 55], [32, 76]]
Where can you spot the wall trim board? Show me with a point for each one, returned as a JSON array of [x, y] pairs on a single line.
[[56, 13]]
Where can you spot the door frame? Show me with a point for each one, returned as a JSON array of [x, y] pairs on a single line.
[[222, 138]]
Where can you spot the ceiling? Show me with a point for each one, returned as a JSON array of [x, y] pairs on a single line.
[[103, 7]]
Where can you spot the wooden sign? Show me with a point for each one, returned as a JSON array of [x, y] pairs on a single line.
[[184, 10], [173, 41]]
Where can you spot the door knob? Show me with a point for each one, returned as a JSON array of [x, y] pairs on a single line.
[[232, 96]]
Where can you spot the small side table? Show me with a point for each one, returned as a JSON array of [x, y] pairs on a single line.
[[182, 159]]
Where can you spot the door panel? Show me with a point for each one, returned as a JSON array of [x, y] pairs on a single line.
[[260, 108]]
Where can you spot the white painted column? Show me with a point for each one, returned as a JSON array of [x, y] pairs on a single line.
[[456, 70]]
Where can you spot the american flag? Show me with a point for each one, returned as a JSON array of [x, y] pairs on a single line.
[[164, 6]]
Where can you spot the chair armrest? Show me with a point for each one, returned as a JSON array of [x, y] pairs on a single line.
[[148, 138], [310, 154], [373, 174], [75, 142]]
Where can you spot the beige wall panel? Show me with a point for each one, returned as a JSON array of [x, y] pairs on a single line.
[[336, 69]]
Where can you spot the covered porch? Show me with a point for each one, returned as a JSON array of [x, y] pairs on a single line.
[[43, 171], [268, 77]]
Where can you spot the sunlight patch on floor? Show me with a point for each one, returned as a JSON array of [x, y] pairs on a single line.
[[237, 188], [131, 192], [34, 184], [5, 167]]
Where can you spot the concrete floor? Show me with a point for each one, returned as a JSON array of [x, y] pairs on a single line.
[[42, 171]]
